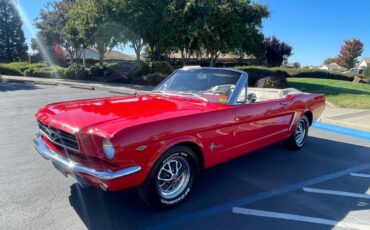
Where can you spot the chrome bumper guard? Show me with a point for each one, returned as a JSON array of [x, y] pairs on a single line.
[[74, 167]]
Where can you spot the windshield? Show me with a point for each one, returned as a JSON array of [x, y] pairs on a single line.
[[211, 85]]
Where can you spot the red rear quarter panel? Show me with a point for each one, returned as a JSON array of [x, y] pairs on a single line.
[[308, 103]]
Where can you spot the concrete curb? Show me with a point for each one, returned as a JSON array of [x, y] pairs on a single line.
[[45, 83], [82, 87]]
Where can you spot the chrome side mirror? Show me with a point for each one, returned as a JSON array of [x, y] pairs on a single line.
[[251, 98]]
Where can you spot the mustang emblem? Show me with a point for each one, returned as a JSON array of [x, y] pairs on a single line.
[[213, 146], [51, 133]]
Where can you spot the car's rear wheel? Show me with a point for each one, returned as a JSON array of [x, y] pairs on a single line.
[[298, 138], [171, 179]]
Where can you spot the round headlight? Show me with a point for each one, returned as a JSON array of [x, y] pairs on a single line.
[[108, 149]]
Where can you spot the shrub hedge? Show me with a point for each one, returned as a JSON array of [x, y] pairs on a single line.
[[154, 79], [75, 72], [275, 81], [322, 74], [122, 72], [162, 67], [118, 73], [7, 70], [256, 72], [366, 72]]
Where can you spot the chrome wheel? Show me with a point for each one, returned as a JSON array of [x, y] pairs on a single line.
[[300, 133], [173, 177]]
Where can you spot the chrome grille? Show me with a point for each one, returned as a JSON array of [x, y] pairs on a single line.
[[59, 137]]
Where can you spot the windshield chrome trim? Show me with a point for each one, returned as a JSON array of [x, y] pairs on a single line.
[[243, 82]]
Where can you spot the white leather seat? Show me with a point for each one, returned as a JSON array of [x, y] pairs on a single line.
[[264, 94]]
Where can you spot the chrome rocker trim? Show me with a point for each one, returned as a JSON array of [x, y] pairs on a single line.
[[49, 154]]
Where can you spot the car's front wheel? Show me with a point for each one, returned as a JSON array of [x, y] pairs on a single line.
[[171, 179], [298, 138]]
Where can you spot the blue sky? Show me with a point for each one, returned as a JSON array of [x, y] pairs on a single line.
[[315, 28]]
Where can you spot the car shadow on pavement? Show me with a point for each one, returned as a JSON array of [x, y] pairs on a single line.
[[264, 170], [4, 87]]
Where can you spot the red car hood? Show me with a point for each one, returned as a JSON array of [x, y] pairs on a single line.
[[106, 116]]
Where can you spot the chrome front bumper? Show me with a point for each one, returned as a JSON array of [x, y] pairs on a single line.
[[74, 167]]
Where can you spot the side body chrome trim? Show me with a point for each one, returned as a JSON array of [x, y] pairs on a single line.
[[49, 154], [292, 122]]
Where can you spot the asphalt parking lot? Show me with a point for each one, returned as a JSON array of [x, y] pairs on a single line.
[[324, 186]]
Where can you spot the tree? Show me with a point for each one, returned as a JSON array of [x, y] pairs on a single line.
[[51, 23], [366, 72], [95, 26], [73, 41], [276, 51], [224, 26], [59, 55], [12, 41], [297, 65], [106, 36], [34, 45], [350, 51], [330, 60], [209, 27], [142, 21], [180, 36]]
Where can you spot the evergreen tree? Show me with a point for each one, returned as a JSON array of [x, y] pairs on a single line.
[[12, 40]]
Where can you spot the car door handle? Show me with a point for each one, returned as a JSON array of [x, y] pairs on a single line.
[[284, 103]]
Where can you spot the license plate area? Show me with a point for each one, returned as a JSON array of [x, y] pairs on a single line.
[[60, 169]]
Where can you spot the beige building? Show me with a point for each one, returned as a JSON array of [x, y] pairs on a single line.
[[364, 63]]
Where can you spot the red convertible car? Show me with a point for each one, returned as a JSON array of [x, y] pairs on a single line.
[[158, 142]]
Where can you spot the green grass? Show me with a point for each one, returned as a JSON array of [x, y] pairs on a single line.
[[343, 94]]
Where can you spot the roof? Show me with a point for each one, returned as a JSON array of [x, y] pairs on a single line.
[[222, 56], [292, 64], [334, 65], [367, 60], [114, 54]]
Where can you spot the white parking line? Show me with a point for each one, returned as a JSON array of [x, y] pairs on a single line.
[[307, 219], [337, 193], [360, 175]]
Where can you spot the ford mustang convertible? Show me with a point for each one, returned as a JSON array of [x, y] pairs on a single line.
[[158, 142]]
